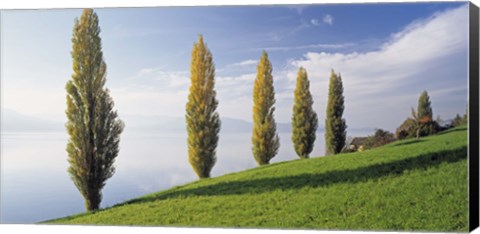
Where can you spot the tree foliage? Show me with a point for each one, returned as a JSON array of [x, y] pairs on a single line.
[[335, 125], [304, 119], [203, 121], [458, 121], [92, 124], [265, 139], [424, 108], [406, 130], [379, 138], [421, 123], [425, 125]]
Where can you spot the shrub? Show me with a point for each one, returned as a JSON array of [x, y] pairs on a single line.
[[406, 129], [429, 128], [410, 127], [381, 137], [457, 121]]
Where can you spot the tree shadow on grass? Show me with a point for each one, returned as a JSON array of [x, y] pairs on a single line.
[[458, 129], [376, 171], [411, 142]]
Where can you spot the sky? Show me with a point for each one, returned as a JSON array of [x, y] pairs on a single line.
[[387, 54]]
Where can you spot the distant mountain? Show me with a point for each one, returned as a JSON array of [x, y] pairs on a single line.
[[163, 124], [167, 124], [231, 125], [368, 130], [13, 121]]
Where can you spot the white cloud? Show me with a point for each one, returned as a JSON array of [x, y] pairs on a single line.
[[248, 62], [145, 72], [152, 91], [163, 79], [150, 102], [315, 22], [381, 86], [328, 19], [235, 95], [303, 47], [298, 8], [289, 31], [157, 92]]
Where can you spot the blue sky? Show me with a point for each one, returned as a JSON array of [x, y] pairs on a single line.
[[387, 54]]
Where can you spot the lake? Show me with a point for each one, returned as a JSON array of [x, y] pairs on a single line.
[[35, 185]]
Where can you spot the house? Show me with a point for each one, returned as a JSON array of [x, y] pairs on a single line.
[[357, 142]]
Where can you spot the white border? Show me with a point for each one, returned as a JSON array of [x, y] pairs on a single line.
[[49, 4]]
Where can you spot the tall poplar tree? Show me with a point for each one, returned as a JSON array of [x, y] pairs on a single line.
[[304, 119], [335, 125], [92, 124], [265, 139], [203, 122]]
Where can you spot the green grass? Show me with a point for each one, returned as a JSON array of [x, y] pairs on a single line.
[[413, 185]]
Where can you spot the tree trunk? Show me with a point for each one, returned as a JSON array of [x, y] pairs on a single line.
[[92, 202]]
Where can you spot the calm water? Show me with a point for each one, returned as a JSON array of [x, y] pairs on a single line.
[[35, 185]]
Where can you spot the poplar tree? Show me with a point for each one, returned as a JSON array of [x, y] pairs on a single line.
[[93, 126], [335, 125], [203, 122], [424, 108], [304, 119], [265, 139], [424, 123]]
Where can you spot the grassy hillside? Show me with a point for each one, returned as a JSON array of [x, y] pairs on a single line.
[[408, 185]]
